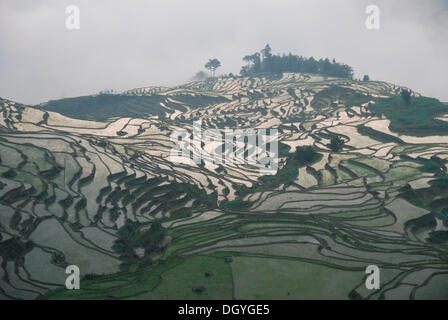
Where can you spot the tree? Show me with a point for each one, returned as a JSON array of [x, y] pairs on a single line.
[[336, 144], [200, 76], [265, 61], [212, 65], [254, 62], [406, 95], [366, 78], [266, 52]]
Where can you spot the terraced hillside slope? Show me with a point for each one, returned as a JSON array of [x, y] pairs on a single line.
[[88, 181]]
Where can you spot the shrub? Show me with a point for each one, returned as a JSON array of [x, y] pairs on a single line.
[[305, 155], [336, 144]]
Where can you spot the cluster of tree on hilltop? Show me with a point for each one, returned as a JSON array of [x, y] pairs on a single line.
[[265, 61]]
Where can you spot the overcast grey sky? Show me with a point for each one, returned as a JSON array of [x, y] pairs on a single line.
[[136, 43]]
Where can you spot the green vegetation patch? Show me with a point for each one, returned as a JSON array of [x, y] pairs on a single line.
[[105, 106], [178, 282], [377, 135], [14, 249], [438, 237], [415, 118], [265, 278], [133, 235]]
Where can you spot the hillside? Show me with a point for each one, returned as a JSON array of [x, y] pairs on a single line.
[[88, 181]]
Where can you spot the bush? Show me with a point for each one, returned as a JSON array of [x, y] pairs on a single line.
[[305, 156], [336, 144], [406, 95], [131, 236]]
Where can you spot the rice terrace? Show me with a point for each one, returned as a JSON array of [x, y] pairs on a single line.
[[145, 155], [78, 187]]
